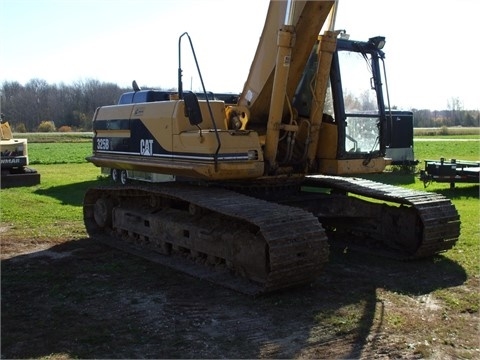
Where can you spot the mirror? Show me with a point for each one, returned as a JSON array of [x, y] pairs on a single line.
[[192, 108]]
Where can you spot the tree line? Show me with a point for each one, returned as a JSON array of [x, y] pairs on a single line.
[[28, 106], [449, 117]]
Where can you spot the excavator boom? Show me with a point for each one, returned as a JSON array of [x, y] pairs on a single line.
[[308, 18]]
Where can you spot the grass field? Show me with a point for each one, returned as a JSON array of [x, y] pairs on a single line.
[[59, 153], [51, 213], [54, 208], [448, 148]]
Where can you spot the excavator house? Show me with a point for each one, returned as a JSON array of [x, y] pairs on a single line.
[[251, 191]]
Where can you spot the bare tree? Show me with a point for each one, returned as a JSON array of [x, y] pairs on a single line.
[[71, 105], [454, 106]]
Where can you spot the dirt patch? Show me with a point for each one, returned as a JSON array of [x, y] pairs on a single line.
[[82, 299]]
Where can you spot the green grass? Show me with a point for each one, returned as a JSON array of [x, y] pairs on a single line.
[[434, 150], [52, 209], [59, 152]]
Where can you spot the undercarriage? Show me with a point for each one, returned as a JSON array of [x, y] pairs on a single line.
[[257, 246]]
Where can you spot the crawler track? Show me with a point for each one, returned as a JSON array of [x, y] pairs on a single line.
[[415, 224], [244, 243]]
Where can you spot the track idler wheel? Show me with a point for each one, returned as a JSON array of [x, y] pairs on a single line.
[[102, 212]]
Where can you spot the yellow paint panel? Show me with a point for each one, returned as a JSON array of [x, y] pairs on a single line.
[[351, 167], [113, 133], [327, 142], [114, 112]]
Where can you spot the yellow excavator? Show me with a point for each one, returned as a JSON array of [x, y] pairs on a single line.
[[250, 191]]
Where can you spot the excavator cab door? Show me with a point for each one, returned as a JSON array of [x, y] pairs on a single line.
[[358, 102]]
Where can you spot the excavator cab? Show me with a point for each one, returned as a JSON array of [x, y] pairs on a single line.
[[351, 138]]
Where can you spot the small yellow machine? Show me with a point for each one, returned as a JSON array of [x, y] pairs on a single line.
[[14, 160]]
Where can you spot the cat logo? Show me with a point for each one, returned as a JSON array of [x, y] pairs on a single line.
[[146, 147]]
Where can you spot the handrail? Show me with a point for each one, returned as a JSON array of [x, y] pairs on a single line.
[[180, 89]]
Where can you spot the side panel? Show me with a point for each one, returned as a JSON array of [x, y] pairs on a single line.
[[151, 125], [134, 129], [157, 137]]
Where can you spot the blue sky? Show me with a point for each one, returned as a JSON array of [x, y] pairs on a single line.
[[430, 51]]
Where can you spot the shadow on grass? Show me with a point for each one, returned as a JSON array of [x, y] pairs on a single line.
[[71, 194], [85, 300], [469, 191], [461, 190]]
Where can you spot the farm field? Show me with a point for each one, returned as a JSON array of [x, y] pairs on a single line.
[[65, 296], [460, 148]]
